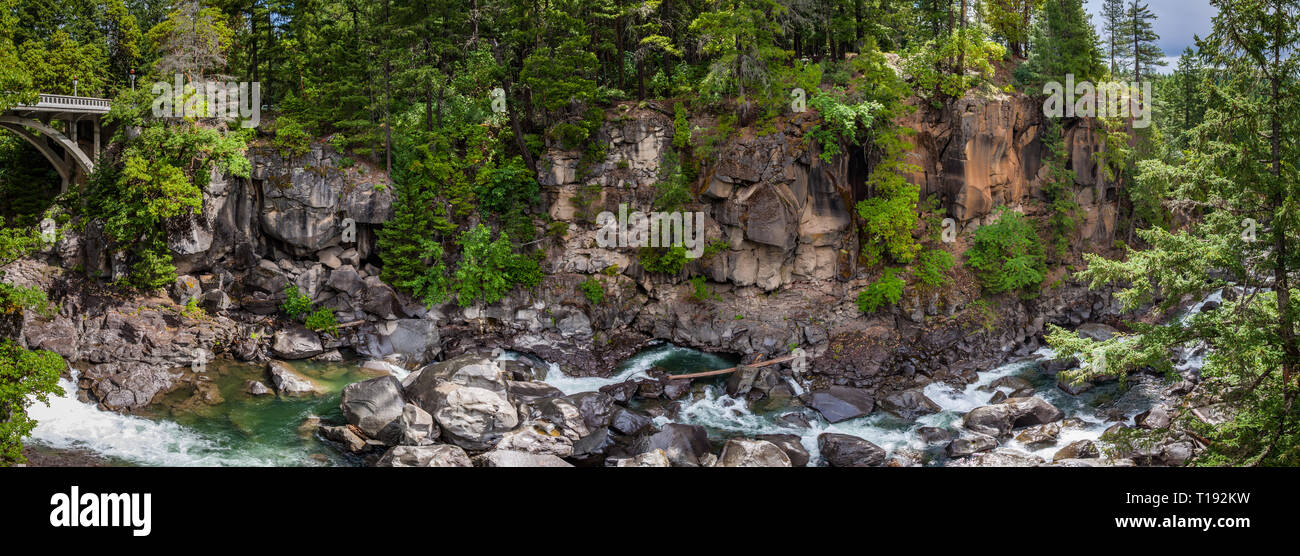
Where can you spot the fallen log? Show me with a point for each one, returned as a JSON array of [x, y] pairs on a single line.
[[733, 369]]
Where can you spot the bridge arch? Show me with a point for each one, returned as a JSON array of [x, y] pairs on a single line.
[[60, 165], [78, 156]]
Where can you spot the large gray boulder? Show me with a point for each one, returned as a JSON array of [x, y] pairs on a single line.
[[415, 339], [743, 452], [372, 404], [536, 438], [685, 445], [510, 458], [790, 444], [296, 342], [1001, 418], [415, 427], [467, 370], [841, 403], [441, 455], [970, 443], [472, 418], [909, 404], [842, 450], [289, 382]]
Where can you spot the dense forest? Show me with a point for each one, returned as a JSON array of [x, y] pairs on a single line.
[[457, 101]]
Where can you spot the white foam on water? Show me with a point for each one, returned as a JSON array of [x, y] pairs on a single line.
[[636, 366], [68, 423]]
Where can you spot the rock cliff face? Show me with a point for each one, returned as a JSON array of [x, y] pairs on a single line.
[[788, 275]]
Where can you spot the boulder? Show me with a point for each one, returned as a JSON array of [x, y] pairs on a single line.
[[564, 414], [1000, 419], [841, 403], [909, 404], [740, 452], [1041, 434], [289, 382], [510, 458], [536, 438], [414, 427], [372, 404], [472, 418], [1079, 449], [628, 422], [970, 443], [256, 388], [1002, 457], [934, 435], [1157, 417], [529, 392], [655, 458], [597, 408], [790, 444], [621, 392], [441, 455], [480, 372], [343, 435], [296, 342], [842, 450], [1096, 331], [416, 339], [685, 445]]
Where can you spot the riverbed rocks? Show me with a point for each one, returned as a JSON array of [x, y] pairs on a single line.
[[1039, 435], [1079, 449], [472, 418], [970, 443], [512, 458], [790, 444], [414, 427], [289, 382], [842, 450], [841, 403], [744, 452], [372, 404], [536, 438], [909, 404], [442, 455], [685, 445], [1000, 419], [296, 342]]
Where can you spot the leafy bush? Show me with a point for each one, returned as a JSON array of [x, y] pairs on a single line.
[[295, 303], [932, 267], [663, 261], [700, 290], [681, 127], [885, 291], [1008, 255], [840, 121], [592, 289], [889, 217], [489, 268], [291, 138], [323, 320]]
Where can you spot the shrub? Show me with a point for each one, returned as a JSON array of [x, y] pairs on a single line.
[[291, 139], [295, 304], [323, 320], [700, 290], [663, 261], [885, 291], [932, 267], [592, 289], [1008, 255]]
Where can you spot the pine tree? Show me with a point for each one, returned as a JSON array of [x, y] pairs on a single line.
[[1063, 43], [1114, 26], [1142, 38]]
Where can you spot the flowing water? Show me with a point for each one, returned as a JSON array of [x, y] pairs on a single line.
[[248, 431]]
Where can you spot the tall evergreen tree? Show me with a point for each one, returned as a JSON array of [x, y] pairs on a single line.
[[1114, 26], [1139, 25], [1064, 43]]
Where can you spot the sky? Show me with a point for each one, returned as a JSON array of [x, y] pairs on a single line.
[[1177, 22]]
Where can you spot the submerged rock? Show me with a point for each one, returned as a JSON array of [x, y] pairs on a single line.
[[841, 403], [289, 382], [842, 450]]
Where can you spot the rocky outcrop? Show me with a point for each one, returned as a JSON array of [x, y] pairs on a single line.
[[740, 452], [842, 450]]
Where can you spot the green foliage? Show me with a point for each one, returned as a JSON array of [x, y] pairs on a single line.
[[291, 139], [889, 217], [933, 65], [1007, 255], [669, 261], [489, 268], [1064, 43], [594, 292], [932, 267], [295, 304], [1058, 188], [26, 377], [840, 121], [700, 290], [681, 127], [322, 320], [885, 291]]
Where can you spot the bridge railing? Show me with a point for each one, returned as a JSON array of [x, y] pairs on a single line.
[[68, 102]]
